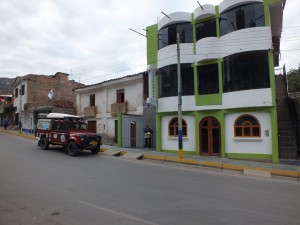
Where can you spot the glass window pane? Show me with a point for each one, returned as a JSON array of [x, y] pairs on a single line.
[[216, 139], [172, 35], [205, 123], [245, 71], [240, 121], [215, 122], [168, 80], [168, 35], [204, 141], [187, 79], [206, 29], [241, 17], [256, 132], [247, 131], [238, 131], [184, 131], [171, 131], [208, 79], [185, 31]]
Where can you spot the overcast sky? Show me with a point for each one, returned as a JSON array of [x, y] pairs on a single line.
[[91, 40]]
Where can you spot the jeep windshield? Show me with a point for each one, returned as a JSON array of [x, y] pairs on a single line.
[[77, 126]]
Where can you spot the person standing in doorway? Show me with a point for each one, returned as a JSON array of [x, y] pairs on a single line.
[[148, 134], [5, 124]]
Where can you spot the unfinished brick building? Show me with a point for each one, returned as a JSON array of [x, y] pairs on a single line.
[[35, 94]]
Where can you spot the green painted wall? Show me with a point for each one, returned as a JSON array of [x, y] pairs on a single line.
[[158, 133], [211, 99], [152, 44]]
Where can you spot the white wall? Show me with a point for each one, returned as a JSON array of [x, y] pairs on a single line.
[[176, 17], [170, 104], [250, 39], [236, 99], [171, 143], [168, 55], [261, 145], [105, 95], [247, 98], [207, 11]]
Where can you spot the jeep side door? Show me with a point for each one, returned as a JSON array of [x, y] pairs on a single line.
[[54, 133]]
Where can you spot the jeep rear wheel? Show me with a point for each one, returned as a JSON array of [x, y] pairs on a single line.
[[95, 150], [44, 143], [72, 149]]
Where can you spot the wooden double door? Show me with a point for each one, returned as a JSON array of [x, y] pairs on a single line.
[[210, 137]]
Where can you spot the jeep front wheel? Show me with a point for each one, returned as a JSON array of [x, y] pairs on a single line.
[[95, 150], [44, 143], [72, 149]]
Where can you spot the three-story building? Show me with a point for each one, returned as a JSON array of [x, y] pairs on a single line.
[[227, 58]]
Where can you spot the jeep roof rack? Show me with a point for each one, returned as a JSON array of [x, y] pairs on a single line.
[[61, 116]]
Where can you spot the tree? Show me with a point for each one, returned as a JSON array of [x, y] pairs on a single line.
[[293, 77]]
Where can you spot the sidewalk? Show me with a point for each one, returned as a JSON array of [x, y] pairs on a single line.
[[289, 168]]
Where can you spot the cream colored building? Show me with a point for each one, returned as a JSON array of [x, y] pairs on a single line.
[[100, 103]]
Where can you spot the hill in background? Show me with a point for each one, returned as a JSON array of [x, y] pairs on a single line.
[[5, 85]]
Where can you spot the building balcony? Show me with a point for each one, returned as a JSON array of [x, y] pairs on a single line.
[[90, 111], [118, 107]]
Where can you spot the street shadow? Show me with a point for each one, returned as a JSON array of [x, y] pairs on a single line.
[[61, 150]]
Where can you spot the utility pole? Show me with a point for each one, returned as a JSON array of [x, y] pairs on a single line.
[[180, 150], [20, 104]]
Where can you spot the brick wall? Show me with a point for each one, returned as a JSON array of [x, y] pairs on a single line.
[[38, 87]]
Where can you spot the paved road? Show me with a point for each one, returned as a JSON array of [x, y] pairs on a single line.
[[50, 187]]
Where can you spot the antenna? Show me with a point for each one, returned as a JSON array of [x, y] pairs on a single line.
[[200, 6], [166, 15], [137, 32]]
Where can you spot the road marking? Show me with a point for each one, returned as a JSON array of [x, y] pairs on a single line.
[[117, 213]]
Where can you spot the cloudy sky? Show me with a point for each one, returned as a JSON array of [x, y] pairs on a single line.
[[91, 40]]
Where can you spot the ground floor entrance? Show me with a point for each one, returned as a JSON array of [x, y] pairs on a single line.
[[210, 137]]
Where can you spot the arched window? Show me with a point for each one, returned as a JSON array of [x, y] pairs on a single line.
[[246, 126], [173, 127]]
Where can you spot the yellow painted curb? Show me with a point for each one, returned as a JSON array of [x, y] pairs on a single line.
[[211, 164], [154, 157], [103, 149], [123, 153], [182, 160], [233, 167], [287, 173]]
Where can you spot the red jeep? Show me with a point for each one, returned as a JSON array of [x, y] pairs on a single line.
[[68, 131]]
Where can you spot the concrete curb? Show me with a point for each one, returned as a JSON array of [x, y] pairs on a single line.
[[20, 135], [276, 172]]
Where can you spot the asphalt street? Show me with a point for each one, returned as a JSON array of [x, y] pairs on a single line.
[[50, 187]]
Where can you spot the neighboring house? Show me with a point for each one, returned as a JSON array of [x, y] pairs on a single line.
[[35, 94], [6, 108], [227, 54], [102, 104]]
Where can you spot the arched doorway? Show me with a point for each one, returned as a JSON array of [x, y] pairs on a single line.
[[210, 136]]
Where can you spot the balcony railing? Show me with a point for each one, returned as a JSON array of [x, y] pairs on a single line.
[[90, 111], [118, 107]]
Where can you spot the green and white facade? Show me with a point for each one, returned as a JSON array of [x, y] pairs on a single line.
[[227, 55]]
